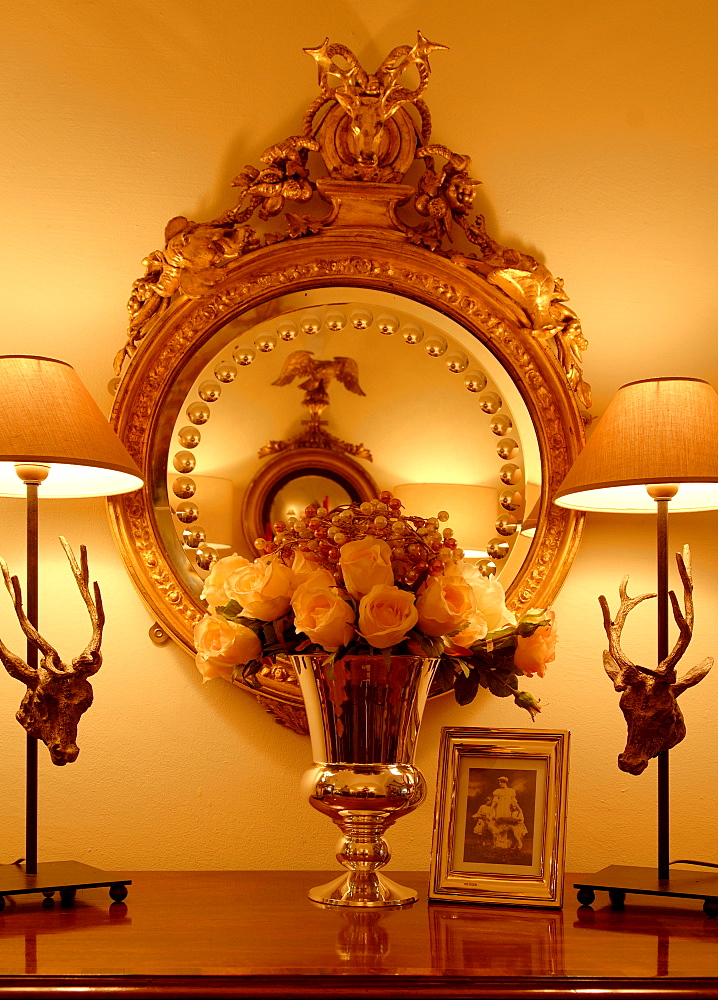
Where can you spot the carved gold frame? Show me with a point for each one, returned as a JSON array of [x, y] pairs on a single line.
[[212, 273]]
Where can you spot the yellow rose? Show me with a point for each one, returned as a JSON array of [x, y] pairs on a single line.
[[263, 588], [386, 614], [222, 645], [214, 591], [365, 563], [322, 615], [535, 652], [445, 603]]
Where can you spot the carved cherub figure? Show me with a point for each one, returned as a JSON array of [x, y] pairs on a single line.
[[57, 693]]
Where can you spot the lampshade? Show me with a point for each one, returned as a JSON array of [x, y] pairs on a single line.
[[654, 431], [472, 510], [47, 417]]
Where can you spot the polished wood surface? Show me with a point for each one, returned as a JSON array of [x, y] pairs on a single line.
[[240, 934]]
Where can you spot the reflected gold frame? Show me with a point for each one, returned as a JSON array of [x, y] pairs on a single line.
[[510, 748], [348, 474], [210, 274]]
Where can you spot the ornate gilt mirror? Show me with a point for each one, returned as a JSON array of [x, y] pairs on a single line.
[[349, 325]]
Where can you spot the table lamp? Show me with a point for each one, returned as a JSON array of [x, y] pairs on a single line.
[[54, 441], [652, 451]]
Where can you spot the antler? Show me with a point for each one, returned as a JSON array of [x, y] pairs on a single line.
[[51, 659], [615, 628], [89, 660], [354, 76], [684, 622], [396, 64]]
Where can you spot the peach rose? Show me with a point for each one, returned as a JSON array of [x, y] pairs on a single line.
[[535, 652], [322, 615], [222, 645], [311, 573], [445, 603], [263, 588], [365, 563], [303, 565], [386, 614], [459, 644], [214, 591]]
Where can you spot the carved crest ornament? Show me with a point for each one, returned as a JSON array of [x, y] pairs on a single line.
[[419, 240]]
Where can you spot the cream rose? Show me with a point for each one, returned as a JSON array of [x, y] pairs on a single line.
[[365, 563], [535, 652], [490, 598], [222, 645], [263, 588], [322, 615], [215, 591], [386, 614], [445, 603]]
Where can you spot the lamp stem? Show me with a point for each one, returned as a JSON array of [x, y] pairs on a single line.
[[663, 774], [32, 614]]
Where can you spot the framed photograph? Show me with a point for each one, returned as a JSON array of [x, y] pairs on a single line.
[[500, 820]]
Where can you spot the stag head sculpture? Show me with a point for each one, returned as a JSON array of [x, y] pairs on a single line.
[[649, 697], [371, 99], [57, 693]]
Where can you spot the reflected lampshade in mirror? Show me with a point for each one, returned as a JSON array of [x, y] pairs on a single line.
[[472, 510]]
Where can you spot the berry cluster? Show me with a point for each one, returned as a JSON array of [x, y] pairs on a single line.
[[418, 545]]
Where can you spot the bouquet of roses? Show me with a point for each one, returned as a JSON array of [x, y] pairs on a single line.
[[364, 578]]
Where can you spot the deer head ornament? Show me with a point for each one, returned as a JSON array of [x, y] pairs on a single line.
[[57, 693], [649, 696]]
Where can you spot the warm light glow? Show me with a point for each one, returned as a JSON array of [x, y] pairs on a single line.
[[66, 480], [653, 432], [633, 499]]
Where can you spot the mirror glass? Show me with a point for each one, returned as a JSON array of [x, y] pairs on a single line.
[[414, 399]]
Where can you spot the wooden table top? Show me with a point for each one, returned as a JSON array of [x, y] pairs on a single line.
[[239, 934]]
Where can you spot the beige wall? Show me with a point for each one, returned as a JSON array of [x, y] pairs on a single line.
[[593, 129]]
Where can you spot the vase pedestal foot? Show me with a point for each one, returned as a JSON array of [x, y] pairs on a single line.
[[359, 889]]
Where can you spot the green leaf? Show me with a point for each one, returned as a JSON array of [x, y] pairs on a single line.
[[466, 688], [232, 611], [526, 629], [250, 671], [446, 673], [429, 645]]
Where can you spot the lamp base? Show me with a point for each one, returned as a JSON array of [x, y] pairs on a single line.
[[618, 880], [65, 877]]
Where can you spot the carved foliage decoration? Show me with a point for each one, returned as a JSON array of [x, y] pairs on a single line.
[[366, 134]]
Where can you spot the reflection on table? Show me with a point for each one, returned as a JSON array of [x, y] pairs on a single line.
[[257, 933]]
